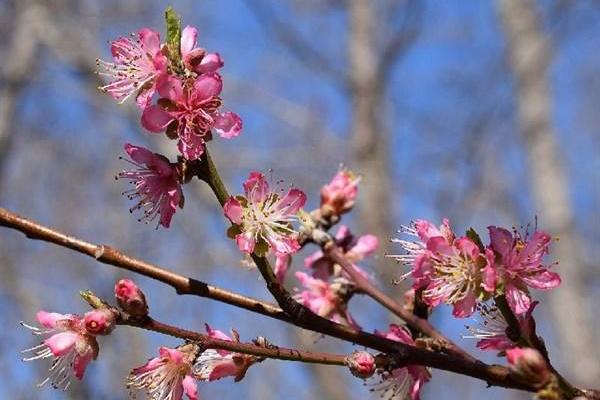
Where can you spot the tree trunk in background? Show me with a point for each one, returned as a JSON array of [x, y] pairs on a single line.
[[369, 142], [529, 54]]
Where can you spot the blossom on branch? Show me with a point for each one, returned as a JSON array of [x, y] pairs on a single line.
[[361, 364], [196, 59], [189, 110], [262, 218], [157, 185], [338, 196], [215, 364], [519, 265], [450, 270], [138, 64], [168, 376], [69, 345], [130, 298], [404, 382], [528, 365]]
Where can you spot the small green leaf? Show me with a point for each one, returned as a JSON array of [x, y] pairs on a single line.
[[474, 236], [173, 22]]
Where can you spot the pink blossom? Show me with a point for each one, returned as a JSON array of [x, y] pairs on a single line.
[[101, 321], [157, 185], [494, 333], [69, 345], [215, 364], [449, 270], [138, 65], [528, 365], [196, 59], [189, 109], [263, 218], [328, 300], [168, 376], [519, 265], [131, 298], [405, 382], [361, 364], [339, 195], [354, 250]]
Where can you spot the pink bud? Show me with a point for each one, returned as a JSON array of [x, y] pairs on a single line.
[[338, 196], [130, 298], [528, 365], [361, 364], [100, 322]]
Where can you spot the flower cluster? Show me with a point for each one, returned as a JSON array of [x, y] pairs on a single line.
[[187, 108], [175, 372], [338, 196], [262, 218], [70, 343], [462, 271], [404, 382]]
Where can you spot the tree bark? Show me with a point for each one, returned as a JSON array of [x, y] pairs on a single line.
[[529, 58]]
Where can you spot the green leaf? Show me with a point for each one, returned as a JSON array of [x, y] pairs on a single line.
[[474, 236], [173, 22]]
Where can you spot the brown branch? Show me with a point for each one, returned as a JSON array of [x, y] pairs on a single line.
[[208, 342], [111, 256]]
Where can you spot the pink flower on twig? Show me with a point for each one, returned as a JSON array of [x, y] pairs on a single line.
[[157, 185], [189, 110], [262, 219], [405, 382], [69, 345], [519, 265], [197, 59], [168, 376], [339, 195], [138, 65]]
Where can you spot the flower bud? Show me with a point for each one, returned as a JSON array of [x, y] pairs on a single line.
[[100, 322], [528, 365], [338, 196], [361, 364], [130, 298]]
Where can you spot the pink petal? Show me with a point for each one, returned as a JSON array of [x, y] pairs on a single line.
[[207, 86], [169, 205], [228, 125], [365, 246], [150, 40], [190, 387], [245, 242], [282, 262], [517, 299], [543, 280], [256, 187], [501, 240], [172, 354], [216, 334], [49, 320], [467, 247], [292, 202], [498, 344], [171, 88], [149, 366], [233, 210], [155, 119], [144, 97], [61, 343], [139, 154], [222, 369], [189, 36], [210, 63], [80, 363], [465, 307], [191, 146], [343, 233], [284, 245]]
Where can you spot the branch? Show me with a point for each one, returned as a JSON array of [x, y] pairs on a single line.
[[207, 342], [111, 256]]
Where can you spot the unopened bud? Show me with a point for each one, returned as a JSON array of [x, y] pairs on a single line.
[[338, 196], [100, 322], [528, 365], [130, 298], [361, 364]]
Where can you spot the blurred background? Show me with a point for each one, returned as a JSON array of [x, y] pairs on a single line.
[[482, 111]]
